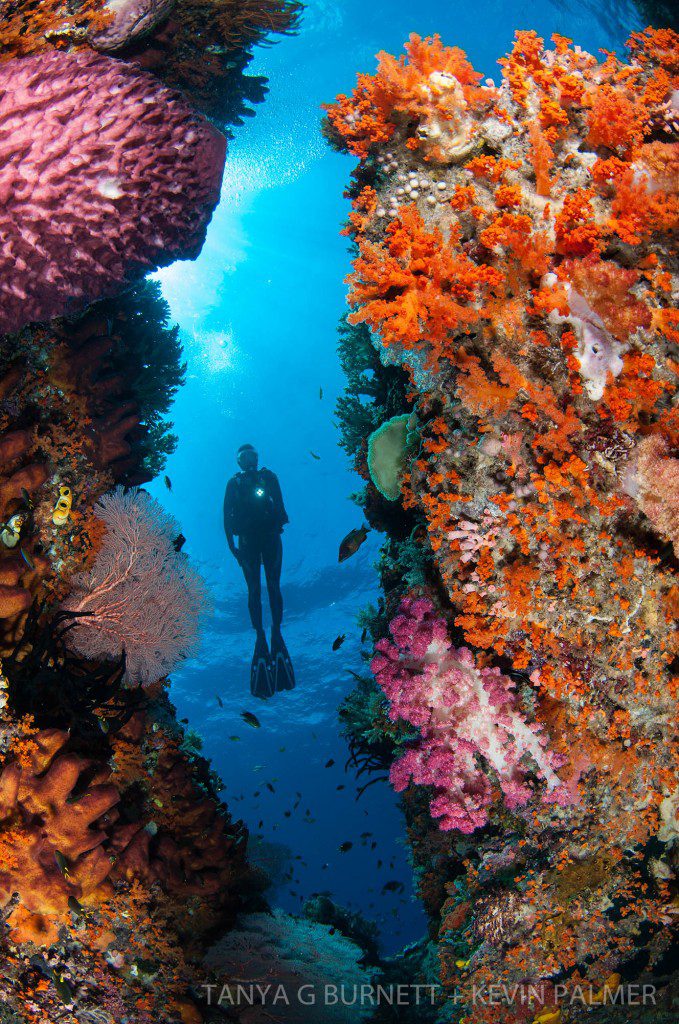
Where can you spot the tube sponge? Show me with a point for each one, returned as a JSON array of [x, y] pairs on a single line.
[[104, 175], [387, 448]]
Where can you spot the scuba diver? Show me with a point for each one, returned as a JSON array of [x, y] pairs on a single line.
[[254, 512]]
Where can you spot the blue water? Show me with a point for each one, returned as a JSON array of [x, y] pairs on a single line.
[[258, 312]]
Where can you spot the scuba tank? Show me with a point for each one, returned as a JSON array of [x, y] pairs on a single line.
[[256, 508]]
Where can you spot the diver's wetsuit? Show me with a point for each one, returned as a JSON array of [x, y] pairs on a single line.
[[255, 513]]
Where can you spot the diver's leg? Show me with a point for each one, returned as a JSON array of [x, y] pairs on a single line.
[[282, 671], [261, 678], [272, 557], [250, 560]]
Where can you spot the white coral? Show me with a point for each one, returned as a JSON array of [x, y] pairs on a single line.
[[598, 352], [446, 132]]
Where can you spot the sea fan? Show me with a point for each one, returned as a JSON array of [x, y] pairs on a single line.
[[141, 597]]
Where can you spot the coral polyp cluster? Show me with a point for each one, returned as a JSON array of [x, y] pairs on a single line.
[[521, 274]]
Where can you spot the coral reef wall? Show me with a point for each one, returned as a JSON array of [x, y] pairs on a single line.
[[119, 864], [516, 264], [149, 174]]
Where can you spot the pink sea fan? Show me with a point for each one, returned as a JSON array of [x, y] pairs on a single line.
[[141, 595], [104, 175], [462, 712]]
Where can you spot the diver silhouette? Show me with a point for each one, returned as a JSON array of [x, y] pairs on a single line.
[[254, 512]]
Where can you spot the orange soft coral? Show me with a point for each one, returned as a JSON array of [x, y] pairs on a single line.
[[416, 289], [32, 25], [430, 92]]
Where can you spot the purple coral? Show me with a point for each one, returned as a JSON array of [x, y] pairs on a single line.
[[104, 175], [462, 712]]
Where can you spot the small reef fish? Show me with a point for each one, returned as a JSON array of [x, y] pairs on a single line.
[[270, 787], [338, 641], [219, 700], [320, 393], [315, 456], [168, 483], [179, 542], [61, 861], [393, 886], [63, 990], [74, 906], [352, 542], [27, 558], [345, 847], [330, 763], [235, 739], [251, 719]]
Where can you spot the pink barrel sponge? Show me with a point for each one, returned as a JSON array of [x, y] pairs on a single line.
[[104, 175], [464, 714]]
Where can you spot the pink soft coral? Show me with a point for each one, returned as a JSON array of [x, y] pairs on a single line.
[[461, 711]]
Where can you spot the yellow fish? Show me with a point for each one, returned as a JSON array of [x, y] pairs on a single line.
[[62, 509]]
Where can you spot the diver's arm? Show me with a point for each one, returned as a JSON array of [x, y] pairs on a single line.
[[228, 520], [278, 500]]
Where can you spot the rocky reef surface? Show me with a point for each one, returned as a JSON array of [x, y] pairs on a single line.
[[120, 866], [511, 355]]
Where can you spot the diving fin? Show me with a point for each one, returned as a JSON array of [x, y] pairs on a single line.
[[281, 665], [261, 676]]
